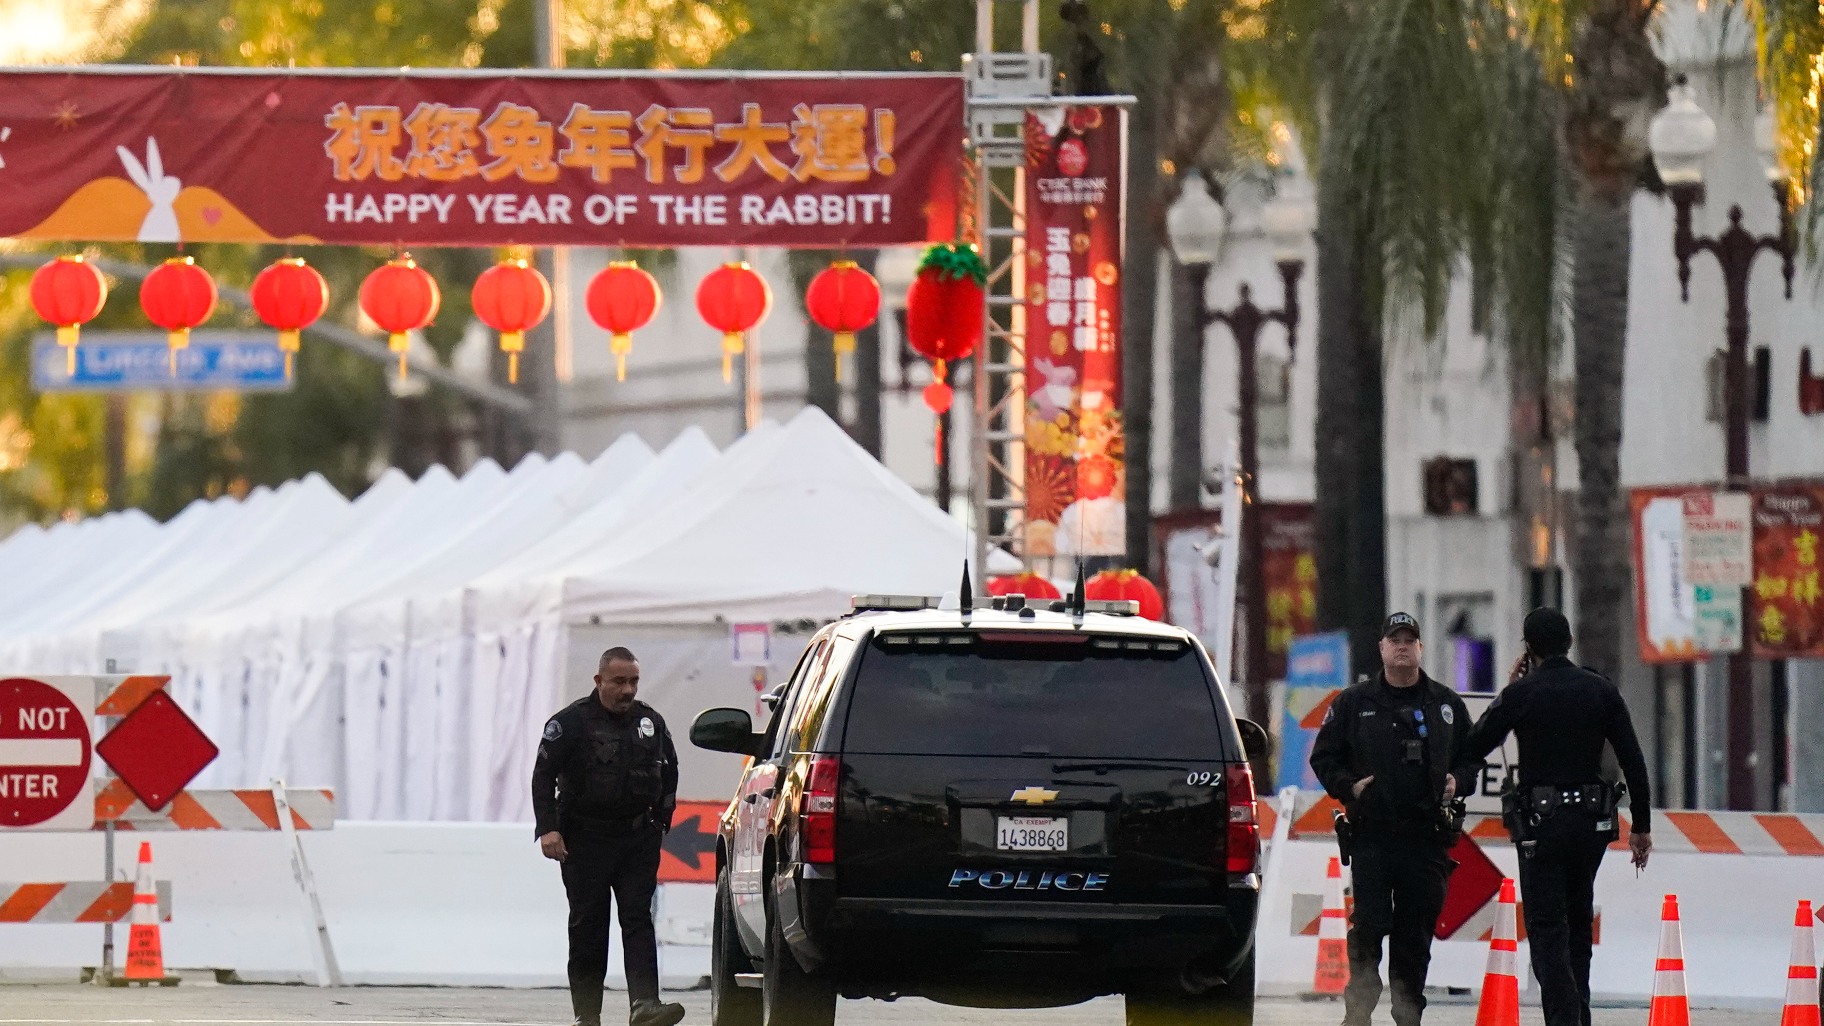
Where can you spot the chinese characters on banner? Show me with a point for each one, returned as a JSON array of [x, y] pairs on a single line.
[[1290, 566], [1785, 608], [421, 158], [1075, 452]]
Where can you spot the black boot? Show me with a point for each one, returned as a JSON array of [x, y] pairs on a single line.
[[652, 1012]]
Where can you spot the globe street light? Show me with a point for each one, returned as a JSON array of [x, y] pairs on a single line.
[[1195, 226], [1681, 136]]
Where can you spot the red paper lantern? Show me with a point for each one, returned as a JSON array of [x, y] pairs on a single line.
[[732, 299], [68, 292], [622, 300], [843, 299], [1119, 585], [289, 295], [1028, 584], [177, 296], [512, 298], [945, 309], [400, 297]]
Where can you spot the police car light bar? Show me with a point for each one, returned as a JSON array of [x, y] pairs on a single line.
[[891, 603], [1113, 607]]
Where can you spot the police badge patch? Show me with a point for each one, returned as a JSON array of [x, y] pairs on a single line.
[[553, 730], [1450, 715], [646, 727]]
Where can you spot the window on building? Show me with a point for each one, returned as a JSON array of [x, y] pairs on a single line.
[[1450, 486]]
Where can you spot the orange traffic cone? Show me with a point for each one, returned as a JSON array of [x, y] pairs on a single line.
[[1802, 976], [1332, 936], [145, 953], [1671, 1007], [1501, 982]]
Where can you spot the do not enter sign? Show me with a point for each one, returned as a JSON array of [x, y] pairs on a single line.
[[45, 753]]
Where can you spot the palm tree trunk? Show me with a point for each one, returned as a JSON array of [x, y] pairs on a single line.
[[1139, 296], [867, 427], [1599, 324], [1349, 510], [1185, 490]]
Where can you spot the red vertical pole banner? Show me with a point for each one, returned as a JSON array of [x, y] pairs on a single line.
[[1786, 601], [1290, 568], [1076, 478]]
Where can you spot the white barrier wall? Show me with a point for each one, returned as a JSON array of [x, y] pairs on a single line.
[[475, 904], [1737, 916], [407, 903]]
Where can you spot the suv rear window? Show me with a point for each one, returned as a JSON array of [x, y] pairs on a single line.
[[969, 695]]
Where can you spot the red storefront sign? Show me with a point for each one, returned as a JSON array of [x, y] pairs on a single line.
[[451, 158], [1289, 564], [1076, 479], [1786, 600]]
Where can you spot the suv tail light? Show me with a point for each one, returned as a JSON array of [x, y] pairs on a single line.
[[819, 811], [1244, 825]]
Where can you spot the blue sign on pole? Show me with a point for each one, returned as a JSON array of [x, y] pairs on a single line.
[[1317, 670], [140, 361]]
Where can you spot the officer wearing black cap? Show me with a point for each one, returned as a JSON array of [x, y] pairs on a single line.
[[1562, 813], [1391, 749], [604, 787]]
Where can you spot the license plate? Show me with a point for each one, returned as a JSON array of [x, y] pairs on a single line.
[[1032, 833]]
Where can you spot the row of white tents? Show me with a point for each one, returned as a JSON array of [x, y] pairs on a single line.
[[405, 647]]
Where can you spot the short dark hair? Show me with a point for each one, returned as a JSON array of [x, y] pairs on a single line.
[[617, 652], [1547, 632]]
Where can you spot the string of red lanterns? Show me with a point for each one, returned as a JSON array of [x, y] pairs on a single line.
[[512, 298]]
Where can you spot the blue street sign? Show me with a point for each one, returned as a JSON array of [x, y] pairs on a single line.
[[140, 361]]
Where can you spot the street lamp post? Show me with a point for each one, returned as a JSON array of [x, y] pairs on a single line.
[[1682, 135], [1195, 225]]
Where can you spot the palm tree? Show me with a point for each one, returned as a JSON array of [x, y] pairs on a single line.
[[1424, 118]]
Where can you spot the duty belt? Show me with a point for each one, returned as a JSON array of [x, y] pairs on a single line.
[[1544, 799], [606, 824]]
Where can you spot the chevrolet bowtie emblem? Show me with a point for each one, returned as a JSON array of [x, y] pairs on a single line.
[[1033, 795]]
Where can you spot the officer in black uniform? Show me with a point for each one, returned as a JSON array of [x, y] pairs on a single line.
[[603, 790], [1391, 749], [1562, 815]]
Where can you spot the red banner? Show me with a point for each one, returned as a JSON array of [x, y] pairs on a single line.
[[1076, 479], [1289, 564], [1786, 602], [448, 158]]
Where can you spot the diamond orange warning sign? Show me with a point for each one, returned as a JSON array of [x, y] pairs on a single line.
[[45, 753]]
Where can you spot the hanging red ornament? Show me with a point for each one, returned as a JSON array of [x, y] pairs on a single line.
[[1029, 584], [289, 295], [622, 300], [945, 309], [843, 299], [400, 297], [68, 292], [177, 296], [733, 299], [1126, 585], [512, 298]]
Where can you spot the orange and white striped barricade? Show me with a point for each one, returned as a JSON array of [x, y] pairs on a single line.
[[84, 901]]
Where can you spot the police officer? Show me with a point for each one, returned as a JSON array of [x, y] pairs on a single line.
[[1562, 815], [1391, 749], [604, 787]]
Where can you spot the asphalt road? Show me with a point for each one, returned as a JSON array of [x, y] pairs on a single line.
[[215, 1005]]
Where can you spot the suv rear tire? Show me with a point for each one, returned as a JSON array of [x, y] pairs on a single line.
[[729, 1003], [791, 996], [1231, 1004]]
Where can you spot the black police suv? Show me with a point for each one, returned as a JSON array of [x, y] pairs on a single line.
[[1004, 807]]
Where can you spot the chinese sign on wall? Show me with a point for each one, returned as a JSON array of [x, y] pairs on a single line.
[[1785, 607], [1696, 550], [1075, 452], [422, 158]]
